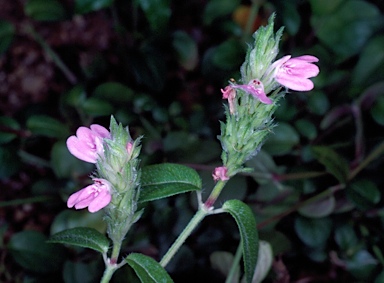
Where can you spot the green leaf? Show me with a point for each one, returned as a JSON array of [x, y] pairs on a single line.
[[96, 107], [264, 262], [324, 7], [8, 127], [186, 50], [164, 180], [45, 10], [86, 6], [346, 238], [75, 96], [318, 103], [218, 8], [7, 31], [9, 162], [320, 208], [148, 66], [68, 219], [249, 237], [291, 16], [362, 265], [369, 70], [377, 111], [306, 128], [354, 20], [47, 126], [334, 163], [83, 237], [82, 271], [313, 231], [147, 269], [31, 251], [380, 277], [364, 194], [222, 261], [114, 92], [65, 165], [283, 139], [228, 55], [158, 13]]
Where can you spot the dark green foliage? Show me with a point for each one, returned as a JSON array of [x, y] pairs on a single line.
[[158, 67]]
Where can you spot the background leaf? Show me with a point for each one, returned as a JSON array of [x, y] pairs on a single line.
[[354, 20], [332, 161], [313, 232], [218, 8], [31, 251], [186, 49], [283, 139], [158, 13], [86, 6], [47, 126], [364, 194], [45, 10], [7, 31]]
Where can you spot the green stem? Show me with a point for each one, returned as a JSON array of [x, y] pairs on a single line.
[[235, 264], [199, 216], [115, 252], [214, 194], [109, 270]]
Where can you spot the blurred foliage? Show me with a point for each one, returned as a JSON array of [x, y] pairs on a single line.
[[158, 66]]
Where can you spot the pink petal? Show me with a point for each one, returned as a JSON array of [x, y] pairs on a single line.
[[255, 92], [299, 68], [295, 82], [80, 196], [100, 131], [307, 58], [100, 201], [85, 134], [81, 149]]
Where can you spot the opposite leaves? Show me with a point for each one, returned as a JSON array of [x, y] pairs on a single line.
[[164, 180], [82, 237], [147, 269], [248, 232]]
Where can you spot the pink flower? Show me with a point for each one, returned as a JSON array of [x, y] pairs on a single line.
[[256, 89], [220, 173], [129, 148], [87, 145], [293, 73], [230, 94], [95, 196]]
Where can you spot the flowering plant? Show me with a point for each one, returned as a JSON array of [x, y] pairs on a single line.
[[120, 186]]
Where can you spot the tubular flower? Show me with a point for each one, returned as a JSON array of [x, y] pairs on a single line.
[[293, 73], [220, 173], [230, 94], [95, 196], [256, 89], [87, 145]]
